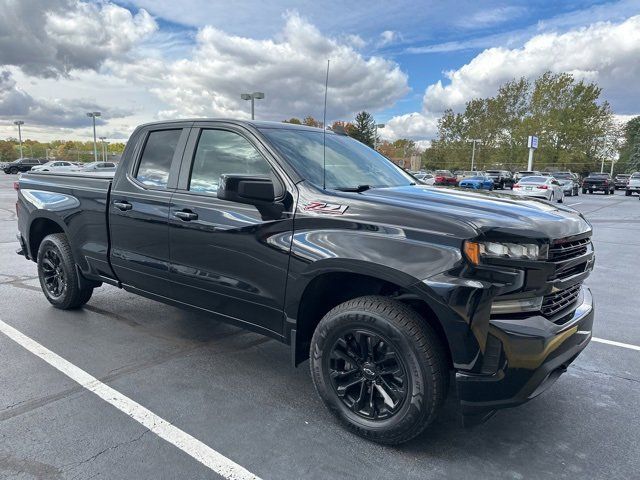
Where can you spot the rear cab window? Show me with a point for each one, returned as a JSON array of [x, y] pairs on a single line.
[[157, 155]]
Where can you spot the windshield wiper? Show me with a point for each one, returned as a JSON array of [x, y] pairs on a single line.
[[357, 189]]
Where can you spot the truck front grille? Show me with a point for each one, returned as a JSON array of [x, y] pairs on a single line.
[[568, 250], [558, 301]]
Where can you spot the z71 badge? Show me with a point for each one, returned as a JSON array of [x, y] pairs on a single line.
[[325, 208]]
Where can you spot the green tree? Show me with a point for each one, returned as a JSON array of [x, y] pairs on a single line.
[[364, 129], [293, 120], [629, 160]]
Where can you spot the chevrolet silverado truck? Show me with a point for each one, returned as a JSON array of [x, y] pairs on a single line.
[[598, 182], [390, 288]]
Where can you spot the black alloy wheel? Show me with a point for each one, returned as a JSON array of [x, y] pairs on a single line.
[[55, 280], [380, 368], [367, 374], [61, 282]]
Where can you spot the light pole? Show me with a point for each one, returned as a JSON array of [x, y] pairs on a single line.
[[473, 150], [253, 97], [375, 138], [104, 149], [19, 123], [93, 116]]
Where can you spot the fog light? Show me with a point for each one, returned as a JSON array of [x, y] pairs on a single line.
[[516, 305]]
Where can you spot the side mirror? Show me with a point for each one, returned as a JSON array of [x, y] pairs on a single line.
[[251, 189]]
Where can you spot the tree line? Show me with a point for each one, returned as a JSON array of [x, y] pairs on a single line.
[[575, 128], [72, 150]]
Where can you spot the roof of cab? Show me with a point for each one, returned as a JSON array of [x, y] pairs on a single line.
[[252, 123]]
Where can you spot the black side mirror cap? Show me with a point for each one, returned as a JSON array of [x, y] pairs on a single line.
[[250, 189]]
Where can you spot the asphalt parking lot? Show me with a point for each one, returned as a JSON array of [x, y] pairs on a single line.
[[236, 392]]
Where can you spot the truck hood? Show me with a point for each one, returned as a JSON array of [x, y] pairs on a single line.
[[489, 213]]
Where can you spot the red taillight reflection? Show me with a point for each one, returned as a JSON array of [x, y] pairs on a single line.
[[542, 187], [517, 185], [16, 185]]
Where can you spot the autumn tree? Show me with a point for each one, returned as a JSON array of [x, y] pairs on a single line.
[[629, 160], [294, 120]]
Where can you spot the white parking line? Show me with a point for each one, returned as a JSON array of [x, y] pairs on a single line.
[[165, 430], [577, 203], [617, 344]]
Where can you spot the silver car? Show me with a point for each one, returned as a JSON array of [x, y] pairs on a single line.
[[55, 166], [547, 188]]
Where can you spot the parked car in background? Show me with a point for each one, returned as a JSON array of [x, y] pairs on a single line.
[[598, 182], [620, 181], [501, 178], [22, 165], [525, 173], [426, 178], [56, 166], [478, 182], [569, 183], [445, 177], [540, 186], [634, 184], [98, 166]]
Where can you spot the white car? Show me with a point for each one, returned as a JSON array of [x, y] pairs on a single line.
[[99, 167], [55, 166], [538, 186], [426, 178], [633, 185]]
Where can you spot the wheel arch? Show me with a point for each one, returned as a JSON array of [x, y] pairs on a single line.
[[40, 226], [331, 287]]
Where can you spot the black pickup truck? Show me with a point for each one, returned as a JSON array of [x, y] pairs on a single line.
[[599, 182], [318, 241]]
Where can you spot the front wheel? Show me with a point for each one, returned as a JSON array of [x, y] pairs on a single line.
[[627, 193], [379, 368], [58, 275], [13, 170]]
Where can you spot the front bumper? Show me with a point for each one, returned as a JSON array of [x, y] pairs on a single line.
[[533, 352], [633, 188]]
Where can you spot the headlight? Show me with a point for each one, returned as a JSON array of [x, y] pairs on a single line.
[[516, 306], [475, 251]]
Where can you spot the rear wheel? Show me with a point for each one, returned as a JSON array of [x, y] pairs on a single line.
[[13, 170], [584, 191], [58, 275], [627, 193], [379, 368]]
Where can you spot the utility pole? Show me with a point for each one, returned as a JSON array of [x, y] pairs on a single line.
[[375, 138], [19, 123], [473, 151], [93, 116]]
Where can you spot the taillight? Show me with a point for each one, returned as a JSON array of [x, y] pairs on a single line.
[[542, 187], [16, 185], [517, 185]]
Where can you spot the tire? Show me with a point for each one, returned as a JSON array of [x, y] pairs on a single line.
[[13, 170], [56, 268], [584, 191], [627, 193], [418, 356], [590, 192]]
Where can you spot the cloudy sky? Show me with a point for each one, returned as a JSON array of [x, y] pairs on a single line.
[[405, 61]]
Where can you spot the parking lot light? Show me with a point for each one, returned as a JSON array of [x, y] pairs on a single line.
[[93, 116], [252, 96], [19, 123]]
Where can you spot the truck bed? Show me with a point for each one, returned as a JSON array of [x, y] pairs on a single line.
[[77, 202]]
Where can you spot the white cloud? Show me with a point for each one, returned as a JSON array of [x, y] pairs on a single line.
[[607, 53], [290, 69], [387, 37], [49, 38]]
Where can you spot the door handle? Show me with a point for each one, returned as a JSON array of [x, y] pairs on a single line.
[[186, 215], [124, 206]]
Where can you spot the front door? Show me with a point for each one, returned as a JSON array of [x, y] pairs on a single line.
[[227, 257], [139, 210]]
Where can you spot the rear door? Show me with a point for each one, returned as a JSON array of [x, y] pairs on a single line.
[[230, 258], [139, 209]]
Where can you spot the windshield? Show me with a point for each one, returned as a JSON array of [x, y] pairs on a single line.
[[563, 176], [476, 178], [600, 175], [349, 163]]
